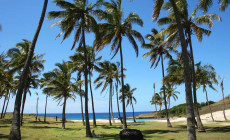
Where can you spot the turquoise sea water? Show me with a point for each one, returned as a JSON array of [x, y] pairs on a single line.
[[104, 116]]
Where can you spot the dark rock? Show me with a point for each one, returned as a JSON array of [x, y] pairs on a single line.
[[131, 134]]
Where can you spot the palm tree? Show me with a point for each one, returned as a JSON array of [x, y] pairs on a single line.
[[205, 4], [222, 89], [170, 90], [206, 76], [78, 60], [113, 32], [106, 75], [157, 99], [45, 80], [32, 82], [61, 86], [15, 133], [157, 50], [18, 58], [189, 103], [191, 25], [130, 98], [118, 82], [92, 60], [77, 16], [153, 99]]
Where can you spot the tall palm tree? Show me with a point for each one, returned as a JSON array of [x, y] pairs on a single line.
[[129, 97], [78, 60], [77, 16], [15, 133], [81, 93], [32, 82], [92, 60], [117, 83], [153, 99], [191, 25], [206, 76], [189, 103], [18, 56], [156, 53], [206, 4], [114, 30], [45, 80], [106, 76], [222, 89], [61, 86]]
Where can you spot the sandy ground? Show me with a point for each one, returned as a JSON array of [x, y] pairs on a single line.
[[206, 118]]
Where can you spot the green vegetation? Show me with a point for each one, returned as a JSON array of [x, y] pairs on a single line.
[[75, 130]]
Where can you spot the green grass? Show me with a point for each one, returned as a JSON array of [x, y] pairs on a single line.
[[75, 130]]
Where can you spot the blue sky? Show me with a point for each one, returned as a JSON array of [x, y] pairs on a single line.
[[19, 20]]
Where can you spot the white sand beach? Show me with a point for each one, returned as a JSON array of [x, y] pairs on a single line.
[[206, 118]]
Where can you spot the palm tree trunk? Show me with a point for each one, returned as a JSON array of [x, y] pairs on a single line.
[[156, 110], [63, 113], [6, 105], [169, 103], [3, 108], [82, 115], [110, 92], [37, 109], [111, 104], [224, 106], [209, 106], [88, 132], [134, 120], [154, 99], [160, 111], [118, 109], [199, 122], [15, 133], [23, 105], [189, 102], [94, 117], [45, 108], [122, 88], [165, 102]]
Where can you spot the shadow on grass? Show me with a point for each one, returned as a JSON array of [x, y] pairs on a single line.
[[109, 127], [146, 132], [222, 129], [110, 136], [3, 136], [5, 121], [40, 127], [136, 123]]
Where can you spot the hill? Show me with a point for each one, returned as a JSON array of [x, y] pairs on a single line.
[[180, 110]]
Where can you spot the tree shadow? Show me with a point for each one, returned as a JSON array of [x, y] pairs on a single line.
[[222, 129], [109, 136], [137, 123], [2, 136], [40, 127], [110, 127], [6, 121], [146, 132]]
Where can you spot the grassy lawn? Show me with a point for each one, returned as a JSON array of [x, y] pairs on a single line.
[[75, 130]]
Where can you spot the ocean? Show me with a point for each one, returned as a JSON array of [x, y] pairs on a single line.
[[102, 116]]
